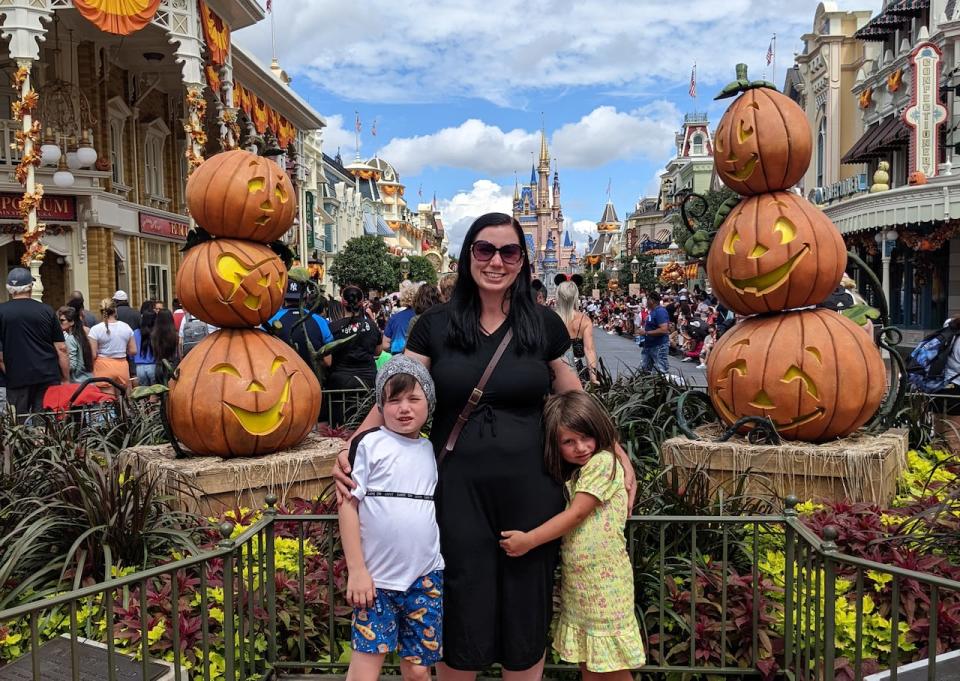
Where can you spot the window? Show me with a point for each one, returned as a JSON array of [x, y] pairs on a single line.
[[698, 145], [821, 151], [117, 114], [156, 270], [155, 136]]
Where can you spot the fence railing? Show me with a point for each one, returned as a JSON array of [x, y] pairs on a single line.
[[267, 599]]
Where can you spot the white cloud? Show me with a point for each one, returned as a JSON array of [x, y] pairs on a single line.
[[582, 231], [506, 51], [336, 137], [603, 135], [466, 206]]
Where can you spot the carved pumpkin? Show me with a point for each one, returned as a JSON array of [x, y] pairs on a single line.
[[231, 283], [241, 195], [763, 143], [814, 373], [917, 177], [241, 392], [775, 252]]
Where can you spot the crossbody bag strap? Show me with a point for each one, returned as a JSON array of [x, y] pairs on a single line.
[[475, 396]]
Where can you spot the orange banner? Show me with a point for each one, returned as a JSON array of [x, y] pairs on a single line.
[[264, 116], [213, 80], [120, 17], [216, 34]]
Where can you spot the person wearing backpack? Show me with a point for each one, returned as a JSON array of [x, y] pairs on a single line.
[[934, 365], [192, 331]]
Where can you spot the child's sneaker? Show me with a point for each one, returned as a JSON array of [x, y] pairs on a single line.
[[701, 366]]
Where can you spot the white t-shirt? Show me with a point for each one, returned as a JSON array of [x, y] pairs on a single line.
[[399, 536], [113, 345]]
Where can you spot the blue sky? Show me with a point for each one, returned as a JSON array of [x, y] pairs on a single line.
[[459, 88]]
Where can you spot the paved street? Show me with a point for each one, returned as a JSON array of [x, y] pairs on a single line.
[[619, 353]]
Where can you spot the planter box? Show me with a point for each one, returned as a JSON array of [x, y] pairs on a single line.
[[210, 485], [859, 468]]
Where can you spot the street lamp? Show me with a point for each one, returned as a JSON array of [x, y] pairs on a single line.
[[674, 251], [634, 267], [887, 241], [404, 267]]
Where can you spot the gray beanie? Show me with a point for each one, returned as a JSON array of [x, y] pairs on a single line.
[[401, 364]]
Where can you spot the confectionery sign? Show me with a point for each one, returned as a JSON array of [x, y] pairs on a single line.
[[926, 113]]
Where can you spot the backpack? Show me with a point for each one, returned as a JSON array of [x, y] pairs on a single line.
[[194, 331], [927, 366]]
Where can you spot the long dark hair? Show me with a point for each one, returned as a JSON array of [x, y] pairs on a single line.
[[163, 340], [581, 413], [464, 329], [147, 320], [69, 312]]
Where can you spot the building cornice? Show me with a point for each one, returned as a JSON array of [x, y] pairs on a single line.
[[257, 78], [237, 13]]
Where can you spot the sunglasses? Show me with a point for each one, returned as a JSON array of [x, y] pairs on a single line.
[[483, 251]]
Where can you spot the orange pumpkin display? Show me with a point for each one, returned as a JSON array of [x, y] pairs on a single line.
[[917, 177], [241, 195], [775, 252], [814, 373], [763, 143], [231, 283], [242, 392]]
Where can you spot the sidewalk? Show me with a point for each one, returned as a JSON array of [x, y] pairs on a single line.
[[620, 353]]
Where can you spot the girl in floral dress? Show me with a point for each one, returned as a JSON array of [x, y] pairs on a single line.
[[598, 626]]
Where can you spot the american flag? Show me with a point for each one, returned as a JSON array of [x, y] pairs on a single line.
[[770, 54], [356, 124], [693, 81], [269, 5], [373, 128]]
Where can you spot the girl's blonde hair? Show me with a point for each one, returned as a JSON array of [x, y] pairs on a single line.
[[107, 307], [568, 295], [581, 413]]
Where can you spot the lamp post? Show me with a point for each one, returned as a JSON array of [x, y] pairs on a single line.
[[634, 267], [887, 242], [596, 277], [404, 267], [674, 251]]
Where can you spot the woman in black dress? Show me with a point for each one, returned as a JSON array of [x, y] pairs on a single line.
[[496, 609]]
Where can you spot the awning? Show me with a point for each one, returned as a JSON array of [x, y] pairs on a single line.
[[369, 224], [881, 26], [382, 228], [908, 7], [878, 139]]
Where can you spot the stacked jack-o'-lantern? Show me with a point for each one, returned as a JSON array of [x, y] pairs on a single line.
[[240, 391], [813, 372]]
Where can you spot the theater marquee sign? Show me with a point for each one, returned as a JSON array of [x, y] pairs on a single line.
[[925, 114]]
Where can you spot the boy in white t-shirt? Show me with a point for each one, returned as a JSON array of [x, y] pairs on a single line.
[[389, 530]]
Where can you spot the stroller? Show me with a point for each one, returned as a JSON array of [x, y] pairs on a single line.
[[85, 403]]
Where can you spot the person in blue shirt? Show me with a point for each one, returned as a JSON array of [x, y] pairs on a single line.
[[395, 334], [315, 328], [656, 333]]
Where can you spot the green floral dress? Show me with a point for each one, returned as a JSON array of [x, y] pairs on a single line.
[[597, 623]]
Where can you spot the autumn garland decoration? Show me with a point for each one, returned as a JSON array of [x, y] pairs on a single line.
[[194, 127], [27, 106]]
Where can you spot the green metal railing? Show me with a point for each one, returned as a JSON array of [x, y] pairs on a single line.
[[343, 406], [269, 600]]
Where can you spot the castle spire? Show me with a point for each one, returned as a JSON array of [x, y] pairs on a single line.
[[544, 152], [516, 187]]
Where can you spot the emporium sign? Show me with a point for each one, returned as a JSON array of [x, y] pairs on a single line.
[[156, 225], [925, 114], [63, 208]]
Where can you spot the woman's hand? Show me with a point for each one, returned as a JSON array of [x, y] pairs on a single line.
[[341, 475], [629, 476], [361, 591], [515, 542]]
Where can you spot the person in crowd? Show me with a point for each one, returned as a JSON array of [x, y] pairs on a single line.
[[353, 363], [33, 352], [125, 313], [143, 360], [146, 306], [87, 318], [395, 333], [655, 333], [178, 313], [165, 344], [708, 344], [112, 343], [389, 530], [191, 332], [493, 477], [598, 627], [582, 355], [446, 285], [427, 296], [159, 305], [78, 345], [306, 337]]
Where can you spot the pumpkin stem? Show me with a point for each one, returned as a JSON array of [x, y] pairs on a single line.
[[742, 84], [742, 72]]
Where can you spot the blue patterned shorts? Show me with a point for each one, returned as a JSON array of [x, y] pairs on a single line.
[[411, 620]]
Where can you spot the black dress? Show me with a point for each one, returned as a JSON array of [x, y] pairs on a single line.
[[496, 609]]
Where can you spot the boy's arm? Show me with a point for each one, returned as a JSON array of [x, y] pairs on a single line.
[[360, 587], [517, 543]]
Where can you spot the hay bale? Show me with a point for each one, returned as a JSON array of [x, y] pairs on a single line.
[[210, 485], [860, 467]]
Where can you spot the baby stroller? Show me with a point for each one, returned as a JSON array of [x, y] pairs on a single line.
[[85, 403]]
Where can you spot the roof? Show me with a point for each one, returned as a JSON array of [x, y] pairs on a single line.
[[609, 214], [382, 228], [877, 140], [600, 245], [567, 241], [389, 173]]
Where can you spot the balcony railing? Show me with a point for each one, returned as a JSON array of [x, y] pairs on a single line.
[[268, 600]]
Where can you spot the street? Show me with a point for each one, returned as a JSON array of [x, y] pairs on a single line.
[[620, 353]]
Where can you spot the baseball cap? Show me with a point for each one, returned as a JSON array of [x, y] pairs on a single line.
[[19, 276], [120, 295], [293, 290]]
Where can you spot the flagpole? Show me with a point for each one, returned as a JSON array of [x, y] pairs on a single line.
[[273, 31], [773, 78]]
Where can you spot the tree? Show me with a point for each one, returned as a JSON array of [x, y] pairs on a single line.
[[420, 270], [365, 262]]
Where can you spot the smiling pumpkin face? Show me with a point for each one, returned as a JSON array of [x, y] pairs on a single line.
[[231, 283], [241, 195], [814, 373], [763, 143], [242, 392], [775, 252]]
